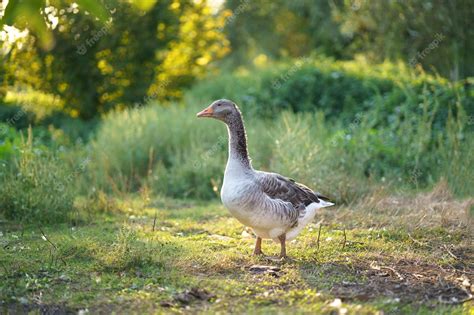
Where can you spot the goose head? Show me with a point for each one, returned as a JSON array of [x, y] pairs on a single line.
[[223, 110]]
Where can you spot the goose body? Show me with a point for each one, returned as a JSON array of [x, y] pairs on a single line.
[[274, 206], [254, 200]]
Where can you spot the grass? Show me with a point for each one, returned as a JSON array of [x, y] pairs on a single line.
[[198, 260]]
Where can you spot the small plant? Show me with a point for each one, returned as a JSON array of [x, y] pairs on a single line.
[[126, 252], [36, 186]]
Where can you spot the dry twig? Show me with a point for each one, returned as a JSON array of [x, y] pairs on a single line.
[[345, 239], [53, 245], [450, 253], [319, 234], [154, 222]]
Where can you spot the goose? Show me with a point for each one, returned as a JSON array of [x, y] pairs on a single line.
[[273, 206]]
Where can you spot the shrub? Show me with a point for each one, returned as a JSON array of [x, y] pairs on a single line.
[[341, 89], [155, 143], [38, 186], [16, 116], [10, 141]]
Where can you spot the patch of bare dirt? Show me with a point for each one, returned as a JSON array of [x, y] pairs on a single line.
[[409, 281]]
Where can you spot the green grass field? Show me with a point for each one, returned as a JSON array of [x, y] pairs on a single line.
[[162, 256]]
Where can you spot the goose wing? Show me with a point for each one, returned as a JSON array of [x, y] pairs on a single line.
[[277, 186]]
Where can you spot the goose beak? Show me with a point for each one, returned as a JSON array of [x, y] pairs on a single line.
[[207, 112]]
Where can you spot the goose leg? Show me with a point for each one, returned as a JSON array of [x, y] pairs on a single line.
[[282, 239], [258, 246]]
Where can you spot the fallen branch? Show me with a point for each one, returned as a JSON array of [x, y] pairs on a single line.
[[394, 271], [375, 267]]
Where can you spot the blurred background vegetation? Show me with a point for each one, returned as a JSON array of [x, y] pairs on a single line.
[[97, 98]]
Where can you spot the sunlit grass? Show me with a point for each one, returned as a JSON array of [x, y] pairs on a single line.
[[124, 262], [39, 103]]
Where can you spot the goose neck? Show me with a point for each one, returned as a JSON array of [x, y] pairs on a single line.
[[238, 142]]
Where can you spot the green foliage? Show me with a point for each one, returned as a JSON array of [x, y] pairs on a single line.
[[340, 89], [131, 57], [391, 121], [430, 34], [10, 141], [164, 144], [198, 43], [282, 29], [125, 253], [54, 132], [36, 109], [16, 116], [27, 14], [37, 185]]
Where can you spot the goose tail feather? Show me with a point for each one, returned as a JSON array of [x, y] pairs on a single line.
[[308, 217]]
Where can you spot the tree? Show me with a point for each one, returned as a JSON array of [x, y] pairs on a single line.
[[94, 67], [432, 34]]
